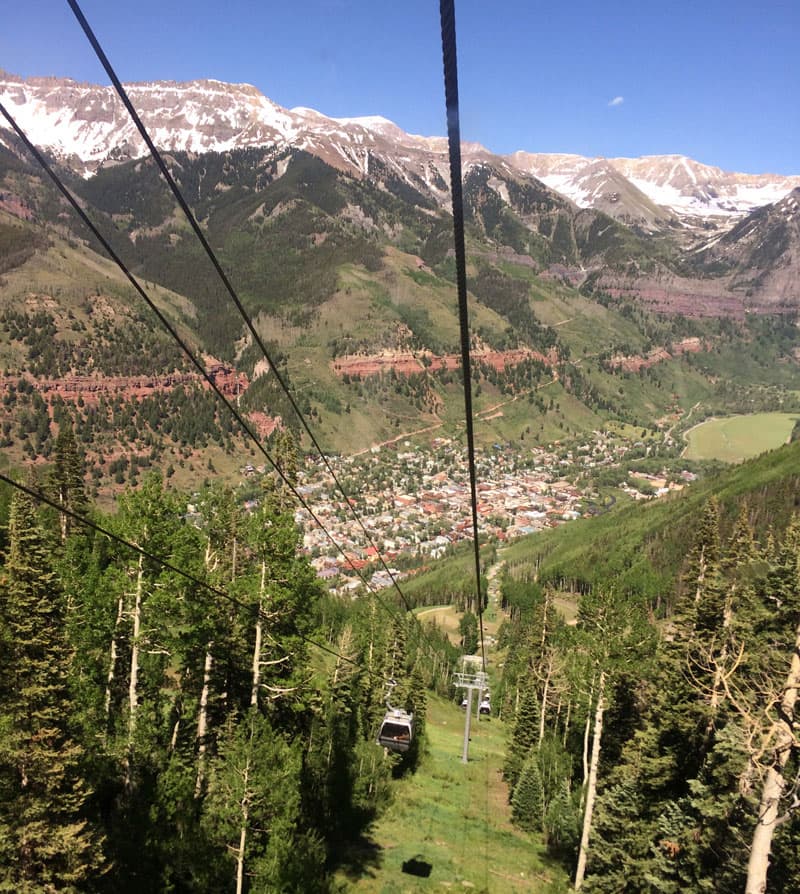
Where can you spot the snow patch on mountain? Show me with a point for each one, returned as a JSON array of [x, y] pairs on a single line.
[[89, 123]]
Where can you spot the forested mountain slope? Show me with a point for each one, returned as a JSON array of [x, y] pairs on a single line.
[[350, 283], [171, 726], [642, 548], [680, 671]]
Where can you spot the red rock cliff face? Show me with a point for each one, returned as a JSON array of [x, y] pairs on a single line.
[[635, 362], [406, 363], [91, 388]]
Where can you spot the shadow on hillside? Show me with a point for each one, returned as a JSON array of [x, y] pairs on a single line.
[[417, 867], [359, 857]]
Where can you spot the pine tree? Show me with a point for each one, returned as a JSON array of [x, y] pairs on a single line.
[[741, 549], [329, 792], [468, 628], [252, 810], [524, 736], [68, 477], [705, 551], [779, 741], [527, 802], [562, 823], [45, 843]]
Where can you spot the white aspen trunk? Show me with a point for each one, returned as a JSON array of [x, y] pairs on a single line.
[[63, 519], [566, 722], [586, 744], [112, 665], [719, 669], [774, 783], [545, 690], [591, 791], [257, 646], [547, 595], [202, 723], [133, 695], [173, 742], [245, 808]]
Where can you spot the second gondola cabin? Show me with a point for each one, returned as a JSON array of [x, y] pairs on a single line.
[[397, 730]]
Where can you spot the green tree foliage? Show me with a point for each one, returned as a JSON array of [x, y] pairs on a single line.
[[562, 824], [527, 801], [680, 807], [68, 478], [253, 806], [46, 841], [525, 734], [468, 628], [155, 735]]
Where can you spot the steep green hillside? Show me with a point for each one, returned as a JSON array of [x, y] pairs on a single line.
[[641, 547], [331, 266]]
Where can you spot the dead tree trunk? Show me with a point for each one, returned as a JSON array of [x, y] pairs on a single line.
[[133, 693], [717, 687], [257, 646], [202, 723], [545, 691], [591, 790], [112, 665], [586, 730], [244, 806], [774, 782]]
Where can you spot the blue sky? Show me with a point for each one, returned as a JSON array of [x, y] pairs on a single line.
[[718, 80]]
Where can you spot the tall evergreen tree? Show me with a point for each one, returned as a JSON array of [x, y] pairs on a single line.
[[524, 736], [68, 477], [46, 842], [527, 801]]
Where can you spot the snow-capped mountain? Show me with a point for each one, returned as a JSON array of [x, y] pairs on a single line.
[[674, 183], [88, 126], [595, 183], [762, 252], [692, 188]]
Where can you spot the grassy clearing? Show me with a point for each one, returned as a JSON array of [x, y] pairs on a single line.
[[735, 438], [454, 818], [447, 618]]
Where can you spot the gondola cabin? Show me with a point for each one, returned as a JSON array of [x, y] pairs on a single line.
[[484, 707], [397, 730]]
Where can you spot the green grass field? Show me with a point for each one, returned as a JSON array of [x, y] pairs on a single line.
[[735, 438], [454, 818]]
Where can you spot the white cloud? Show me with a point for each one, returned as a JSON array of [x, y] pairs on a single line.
[[617, 101]]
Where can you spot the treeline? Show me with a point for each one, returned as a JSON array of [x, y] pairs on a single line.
[[127, 347], [641, 547], [162, 732], [116, 427], [17, 245], [664, 757]]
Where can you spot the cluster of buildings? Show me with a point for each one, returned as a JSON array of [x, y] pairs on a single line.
[[416, 503]]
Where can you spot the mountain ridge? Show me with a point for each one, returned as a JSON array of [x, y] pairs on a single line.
[[649, 191]]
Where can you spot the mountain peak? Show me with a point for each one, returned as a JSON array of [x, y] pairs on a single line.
[[88, 123]]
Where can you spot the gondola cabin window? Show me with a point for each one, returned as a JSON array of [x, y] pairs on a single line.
[[397, 730]]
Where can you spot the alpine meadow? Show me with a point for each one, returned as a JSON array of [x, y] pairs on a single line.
[[380, 512]]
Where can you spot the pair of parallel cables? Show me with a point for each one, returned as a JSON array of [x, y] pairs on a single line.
[[451, 91]]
